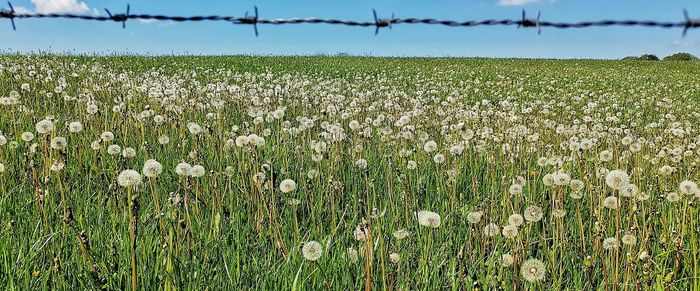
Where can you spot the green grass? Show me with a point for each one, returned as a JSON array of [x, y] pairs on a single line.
[[233, 228]]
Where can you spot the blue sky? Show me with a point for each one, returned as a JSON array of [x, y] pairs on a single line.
[[403, 40]]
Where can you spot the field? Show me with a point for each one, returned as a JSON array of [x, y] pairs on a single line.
[[348, 173]]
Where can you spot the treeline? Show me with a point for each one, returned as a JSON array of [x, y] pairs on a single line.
[[684, 57]]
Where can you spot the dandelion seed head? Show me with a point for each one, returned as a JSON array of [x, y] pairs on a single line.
[[312, 250]]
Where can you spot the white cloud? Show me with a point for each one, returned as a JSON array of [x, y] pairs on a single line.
[[22, 10], [147, 21], [62, 6], [685, 43], [517, 2]]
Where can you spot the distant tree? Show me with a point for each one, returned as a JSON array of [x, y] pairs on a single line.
[[682, 57], [649, 57], [630, 58]]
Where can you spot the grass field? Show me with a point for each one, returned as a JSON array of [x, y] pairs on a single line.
[[343, 173]]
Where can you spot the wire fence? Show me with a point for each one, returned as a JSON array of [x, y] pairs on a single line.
[[254, 19]]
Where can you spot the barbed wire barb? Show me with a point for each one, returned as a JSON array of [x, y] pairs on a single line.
[[689, 23], [120, 17], [381, 22], [9, 13], [252, 20]]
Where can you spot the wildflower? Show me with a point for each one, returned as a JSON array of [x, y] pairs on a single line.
[[605, 156], [129, 178], [197, 171], [183, 169], [194, 128], [688, 187], [533, 213], [288, 185], [312, 250], [57, 166], [411, 165], [361, 163], [629, 239], [107, 136], [352, 254], [114, 149], [491, 229], [75, 127], [630, 190], [532, 270], [610, 243], [428, 218], [439, 158], [611, 202], [474, 217], [27, 136], [510, 231], [430, 146], [506, 260], [360, 233], [576, 185], [401, 233], [515, 189], [395, 258], [163, 139], [673, 197], [515, 219], [58, 143], [129, 152], [152, 168], [617, 179], [45, 126]]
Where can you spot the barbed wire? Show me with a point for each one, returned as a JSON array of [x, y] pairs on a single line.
[[254, 19]]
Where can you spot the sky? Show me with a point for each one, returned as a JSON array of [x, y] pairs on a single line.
[[222, 38]]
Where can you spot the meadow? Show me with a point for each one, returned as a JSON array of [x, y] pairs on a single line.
[[348, 173]]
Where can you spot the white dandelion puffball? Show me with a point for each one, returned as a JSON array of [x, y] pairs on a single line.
[[395, 258], [532, 270], [352, 255], [411, 165], [515, 189], [428, 218], [183, 169], [45, 126], [611, 202], [114, 149], [312, 250], [129, 178], [474, 217], [492, 229], [2, 168], [510, 231], [27, 136], [439, 158], [401, 233], [507, 260], [516, 219], [75, 127], [152, 168], [163, 139], [129, 152], [197, 171], [629, 239], [688, 187], [58, 143], [533, 213], [107, 136], [194, 128], [610, 243], [288, 185], [430, 146], [617, 179], [361, 163]]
